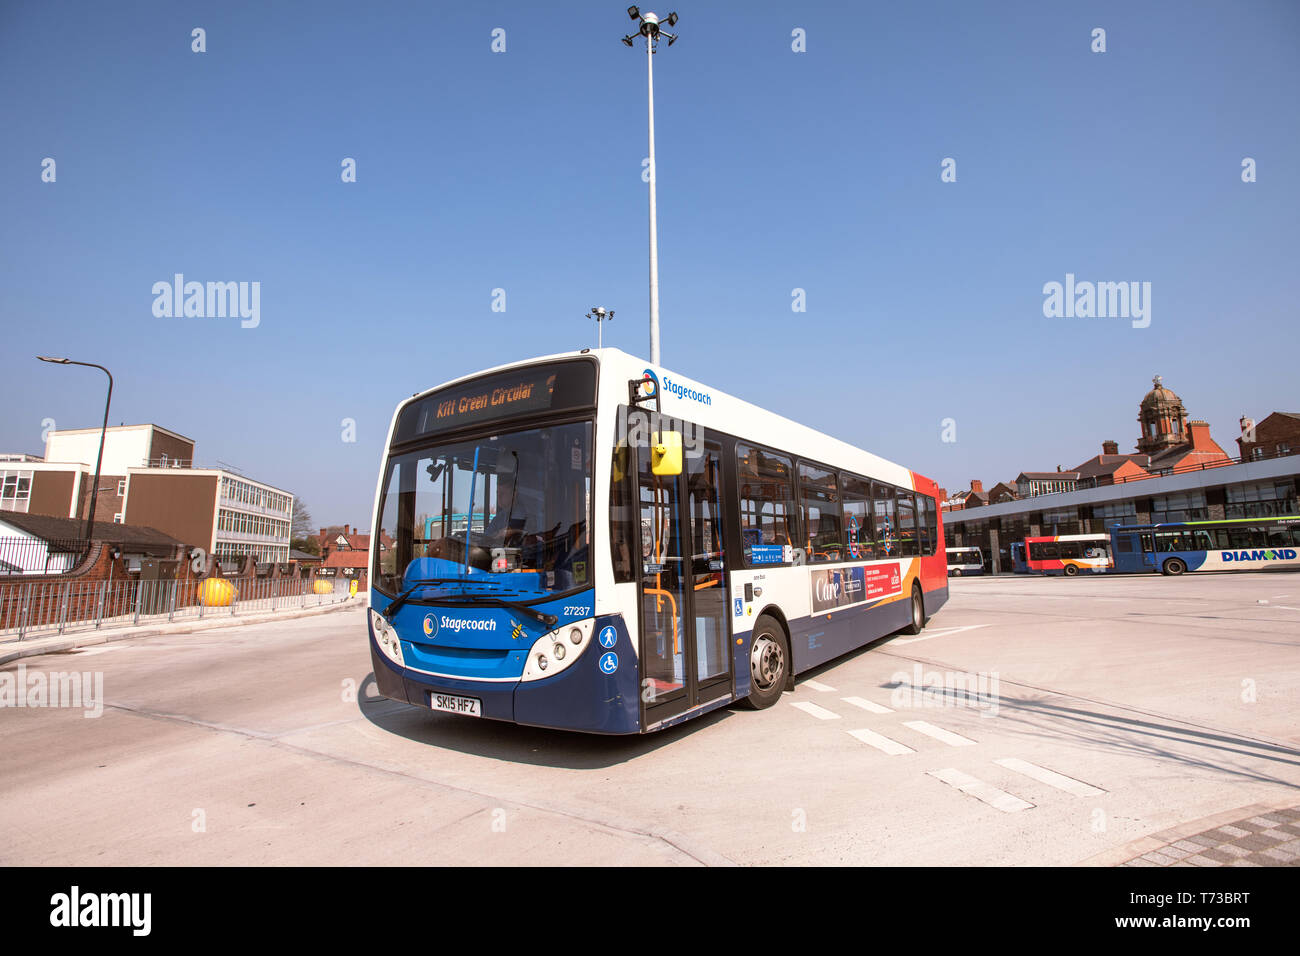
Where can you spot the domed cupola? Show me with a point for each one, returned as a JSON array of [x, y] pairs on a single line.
[[1163, 419]]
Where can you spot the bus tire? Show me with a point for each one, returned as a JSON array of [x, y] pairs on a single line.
[[1071, 570], [918, 612], [769, 663], [956, 572], [1174, 567]]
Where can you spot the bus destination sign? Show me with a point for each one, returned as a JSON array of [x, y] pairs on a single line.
[[541, 388]]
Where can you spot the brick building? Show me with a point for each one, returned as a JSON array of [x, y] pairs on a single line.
[[1278, 434]]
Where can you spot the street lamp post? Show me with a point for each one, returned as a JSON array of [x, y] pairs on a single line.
[[651, 29], [99, 460], [600, 315]]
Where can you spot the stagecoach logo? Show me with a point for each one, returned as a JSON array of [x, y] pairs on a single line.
[[430, 625], [1286, 554], [681, 391]]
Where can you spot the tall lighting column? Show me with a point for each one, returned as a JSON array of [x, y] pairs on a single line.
[[651, 29], [94, 491]]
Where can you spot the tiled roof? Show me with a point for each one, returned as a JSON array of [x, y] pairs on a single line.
[[1108, 464], [49, 528], [1049, 475], [346, 559]]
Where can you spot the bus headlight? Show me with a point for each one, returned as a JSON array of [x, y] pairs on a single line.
[[549, 654], [386, 637]]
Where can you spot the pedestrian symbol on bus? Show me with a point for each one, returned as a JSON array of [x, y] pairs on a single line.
[[608, 636], [609, 663]]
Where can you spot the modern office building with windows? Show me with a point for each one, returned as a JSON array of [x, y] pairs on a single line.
[[148, 477], [227, 514]]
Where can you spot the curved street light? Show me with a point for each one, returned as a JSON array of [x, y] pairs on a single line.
[[94, 491]]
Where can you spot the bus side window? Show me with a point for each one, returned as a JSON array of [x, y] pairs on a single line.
[[820, 508], [885, 520], [767, 505], [856, 494]]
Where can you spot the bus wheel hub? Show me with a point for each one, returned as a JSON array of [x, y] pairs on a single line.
[[765, 662]]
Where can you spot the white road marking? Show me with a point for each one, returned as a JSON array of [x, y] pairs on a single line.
[[980, 790], [821, 713], [942, 632], [1050, 777], [873, 739], [938, 733], [867, 705], [815, 685]]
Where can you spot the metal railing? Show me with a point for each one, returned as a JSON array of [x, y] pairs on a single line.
[[41, 556], [42, 608]]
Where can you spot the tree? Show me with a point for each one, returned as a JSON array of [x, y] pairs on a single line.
[[301, 526]]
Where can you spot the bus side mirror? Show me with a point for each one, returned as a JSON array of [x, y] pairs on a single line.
[[666, 453]]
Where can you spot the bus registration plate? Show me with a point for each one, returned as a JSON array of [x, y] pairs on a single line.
[[465, 706]]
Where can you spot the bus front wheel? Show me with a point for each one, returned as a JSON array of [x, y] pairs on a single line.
[[1071, 570], [769, 663], [918, 612], [1174, 566], [956, 572]]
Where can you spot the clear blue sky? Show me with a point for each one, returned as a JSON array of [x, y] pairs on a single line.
[[521, 170]]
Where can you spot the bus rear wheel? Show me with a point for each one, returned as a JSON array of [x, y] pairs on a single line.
[[1174, 566], [769, 663], [1071, 570], [918, 612], [956, 572]]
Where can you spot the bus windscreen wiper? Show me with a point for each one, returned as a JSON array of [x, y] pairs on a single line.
[[401, 599], [546, 620]]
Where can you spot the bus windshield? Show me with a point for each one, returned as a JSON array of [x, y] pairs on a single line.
[[504, 516]]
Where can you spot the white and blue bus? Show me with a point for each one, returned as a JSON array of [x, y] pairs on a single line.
[[965, 561], [582, 542], [1242, 544]]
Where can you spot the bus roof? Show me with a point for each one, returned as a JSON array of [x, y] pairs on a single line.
[[696, 402], [1217, 522]]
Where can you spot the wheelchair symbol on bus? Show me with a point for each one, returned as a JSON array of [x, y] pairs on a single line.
[[609, 663]]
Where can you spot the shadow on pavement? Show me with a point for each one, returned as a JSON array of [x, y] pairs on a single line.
[[516, 743]]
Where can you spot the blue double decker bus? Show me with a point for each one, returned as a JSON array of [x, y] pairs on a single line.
[[1244, 544]]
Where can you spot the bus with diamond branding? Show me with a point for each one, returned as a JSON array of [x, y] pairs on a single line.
[[1241, 544], [582, 542]]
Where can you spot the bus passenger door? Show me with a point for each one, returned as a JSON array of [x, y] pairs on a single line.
[[683, 587], [1148, 549]]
